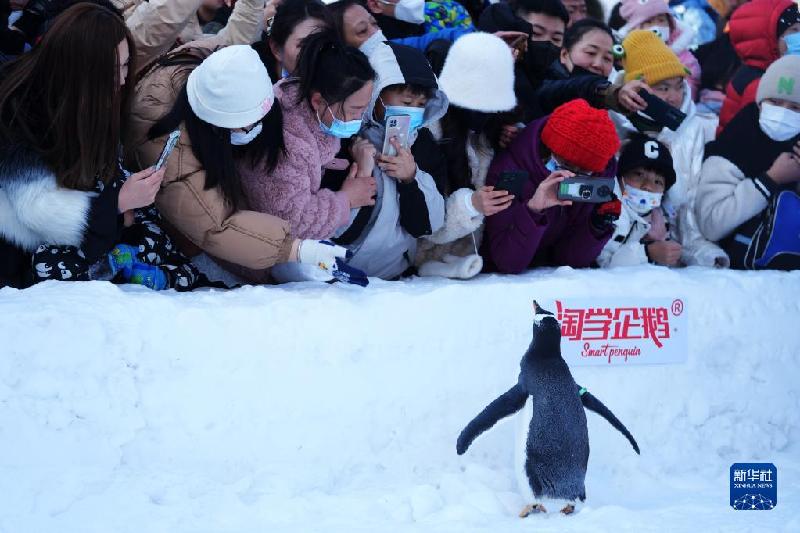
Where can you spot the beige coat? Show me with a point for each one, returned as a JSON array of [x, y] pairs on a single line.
[[199, 219], [158, 24]]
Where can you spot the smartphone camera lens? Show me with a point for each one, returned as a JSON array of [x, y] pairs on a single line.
[[604, 191]]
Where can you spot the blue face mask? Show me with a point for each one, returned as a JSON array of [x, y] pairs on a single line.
[[792, 44], [417, 114], [340, 128]]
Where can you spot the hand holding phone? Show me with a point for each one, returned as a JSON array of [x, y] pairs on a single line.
[[172, 141], [546, 195], [661, 112], [489, 201], [512, 181], [397, 127]]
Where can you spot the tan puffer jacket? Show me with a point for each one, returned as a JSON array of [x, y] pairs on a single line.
[[199, 219], [158, 24]]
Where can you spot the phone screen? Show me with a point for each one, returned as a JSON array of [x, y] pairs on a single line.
[[172, 140]]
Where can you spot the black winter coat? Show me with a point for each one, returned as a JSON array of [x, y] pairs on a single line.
[[34, 210]]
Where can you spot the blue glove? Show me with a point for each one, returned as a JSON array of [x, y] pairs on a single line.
[[151, 276], [331, 259], [121, 259]]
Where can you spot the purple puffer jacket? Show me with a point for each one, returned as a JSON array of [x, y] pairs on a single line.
[[516, 238]]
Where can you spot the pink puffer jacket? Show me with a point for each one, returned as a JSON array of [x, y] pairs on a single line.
[[291, 190]]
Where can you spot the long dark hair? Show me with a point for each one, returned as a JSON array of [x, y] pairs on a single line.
[[64, 98], [455, 135], [212, 147], [328, 66], [339, 8], [289, 14], [457, 124]]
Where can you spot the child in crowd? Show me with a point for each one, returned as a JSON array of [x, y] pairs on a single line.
[[643, 233], [408, 205], [647, 58], [655, 16]]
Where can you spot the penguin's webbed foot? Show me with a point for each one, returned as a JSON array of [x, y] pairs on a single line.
[[533, 508], [568, 509]]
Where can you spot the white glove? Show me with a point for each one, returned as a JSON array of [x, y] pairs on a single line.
[[331, 259], [321, 254]]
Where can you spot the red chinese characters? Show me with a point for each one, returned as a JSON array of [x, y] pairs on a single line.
[[619, 323]]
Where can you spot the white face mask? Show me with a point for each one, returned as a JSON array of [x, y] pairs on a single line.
[[641, 202], [412, 11], [368, 46], [240, 138], [661, 31], [779, 123]]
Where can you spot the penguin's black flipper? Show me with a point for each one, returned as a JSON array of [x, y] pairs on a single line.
[[507, 404], [593, 404]]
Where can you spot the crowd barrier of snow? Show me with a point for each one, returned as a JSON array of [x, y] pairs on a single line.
[[331, 408]]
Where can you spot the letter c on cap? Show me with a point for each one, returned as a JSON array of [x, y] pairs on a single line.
[[651, 149]]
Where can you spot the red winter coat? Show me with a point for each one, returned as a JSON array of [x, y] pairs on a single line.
[[754, 35]]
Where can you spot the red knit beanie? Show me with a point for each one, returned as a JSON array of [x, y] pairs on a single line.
[[581, 135]]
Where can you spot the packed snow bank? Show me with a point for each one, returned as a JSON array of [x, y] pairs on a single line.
[[332, 408]]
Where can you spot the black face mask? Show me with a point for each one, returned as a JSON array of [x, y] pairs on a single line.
[[539, 57], [580, 71]]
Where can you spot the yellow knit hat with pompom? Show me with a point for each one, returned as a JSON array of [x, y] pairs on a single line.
[[649, 59]]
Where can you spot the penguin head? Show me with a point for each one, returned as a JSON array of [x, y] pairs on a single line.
[[546, 328]]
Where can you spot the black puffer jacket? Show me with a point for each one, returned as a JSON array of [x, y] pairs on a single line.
[[559, 86]]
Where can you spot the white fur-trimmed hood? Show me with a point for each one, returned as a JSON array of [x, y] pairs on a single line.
[[34, 210]]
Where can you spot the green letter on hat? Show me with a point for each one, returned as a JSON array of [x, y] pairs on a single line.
[[785, 85]]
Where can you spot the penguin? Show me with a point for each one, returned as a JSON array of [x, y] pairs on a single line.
[[557, 446]]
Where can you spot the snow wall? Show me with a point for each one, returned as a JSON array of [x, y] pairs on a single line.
[[332, 408]]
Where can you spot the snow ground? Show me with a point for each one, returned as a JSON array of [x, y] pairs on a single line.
[[316, 408]]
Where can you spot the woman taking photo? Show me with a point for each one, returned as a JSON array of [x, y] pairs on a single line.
[[67, 208], [322, 103], [222, 103]]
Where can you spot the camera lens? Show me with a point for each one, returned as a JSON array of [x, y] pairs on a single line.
[[604, 191]]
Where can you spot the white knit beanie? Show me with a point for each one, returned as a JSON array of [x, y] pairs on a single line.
[[478, 74], [781, 80], [231, 88]]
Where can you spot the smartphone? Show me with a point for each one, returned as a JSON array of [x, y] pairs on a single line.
[[588, 189], [396, 126], [172, 140], [661, 112], [512, 181]]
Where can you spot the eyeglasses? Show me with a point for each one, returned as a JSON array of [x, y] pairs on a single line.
[[560, 165]]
